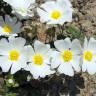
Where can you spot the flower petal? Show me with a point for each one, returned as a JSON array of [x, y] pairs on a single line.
[[15, 67], [76, 63], [66, 69], [5, 64], [39, 71], [17, 42], [92, 68], [44, 17], [76, 47], [92, 44], [55, 62], [60, 45], [85, 43], [29, 52], [40, 47]]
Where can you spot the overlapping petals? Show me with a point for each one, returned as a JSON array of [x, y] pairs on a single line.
[[59, 12], [22, 9], [67, 58], [10, 26], [89, 56], [13, 55], [40, 60]]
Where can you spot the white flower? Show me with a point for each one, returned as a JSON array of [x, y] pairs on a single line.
[[39, 60], [22, 8], [67, 58], [55, 12], [10, 81], [12, 54], [89, 56], [10, 26]]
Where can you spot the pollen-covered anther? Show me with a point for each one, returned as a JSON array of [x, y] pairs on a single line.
[[7, 29], [56, 14], [14, 55], [38, 59], [88, 55], [67, 55]]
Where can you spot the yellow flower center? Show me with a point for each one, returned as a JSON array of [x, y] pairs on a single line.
[[14, 55], [88, 55], [7, 29], [56, 14], [38, 59], [67, 55]]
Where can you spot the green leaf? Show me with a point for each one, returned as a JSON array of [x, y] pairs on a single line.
[[73, 33]]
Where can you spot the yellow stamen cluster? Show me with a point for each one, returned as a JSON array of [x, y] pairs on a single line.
[[56, 14], [14, 55], [88, 55], [67, 55], [38, 59], [7, 29]]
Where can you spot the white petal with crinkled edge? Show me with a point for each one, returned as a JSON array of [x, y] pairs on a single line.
[[91, 69], [76, 47], [39, 47], [39, 71], [92, 44], [15, 67], [67, 43], [5, 64], [30, 52], [44, 15], [66, 3], [76, 63], [46, 5], [62, 45], [17, 42], [4, 47], [66, 69], [55, 61], [84, 67], [85, 43]]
